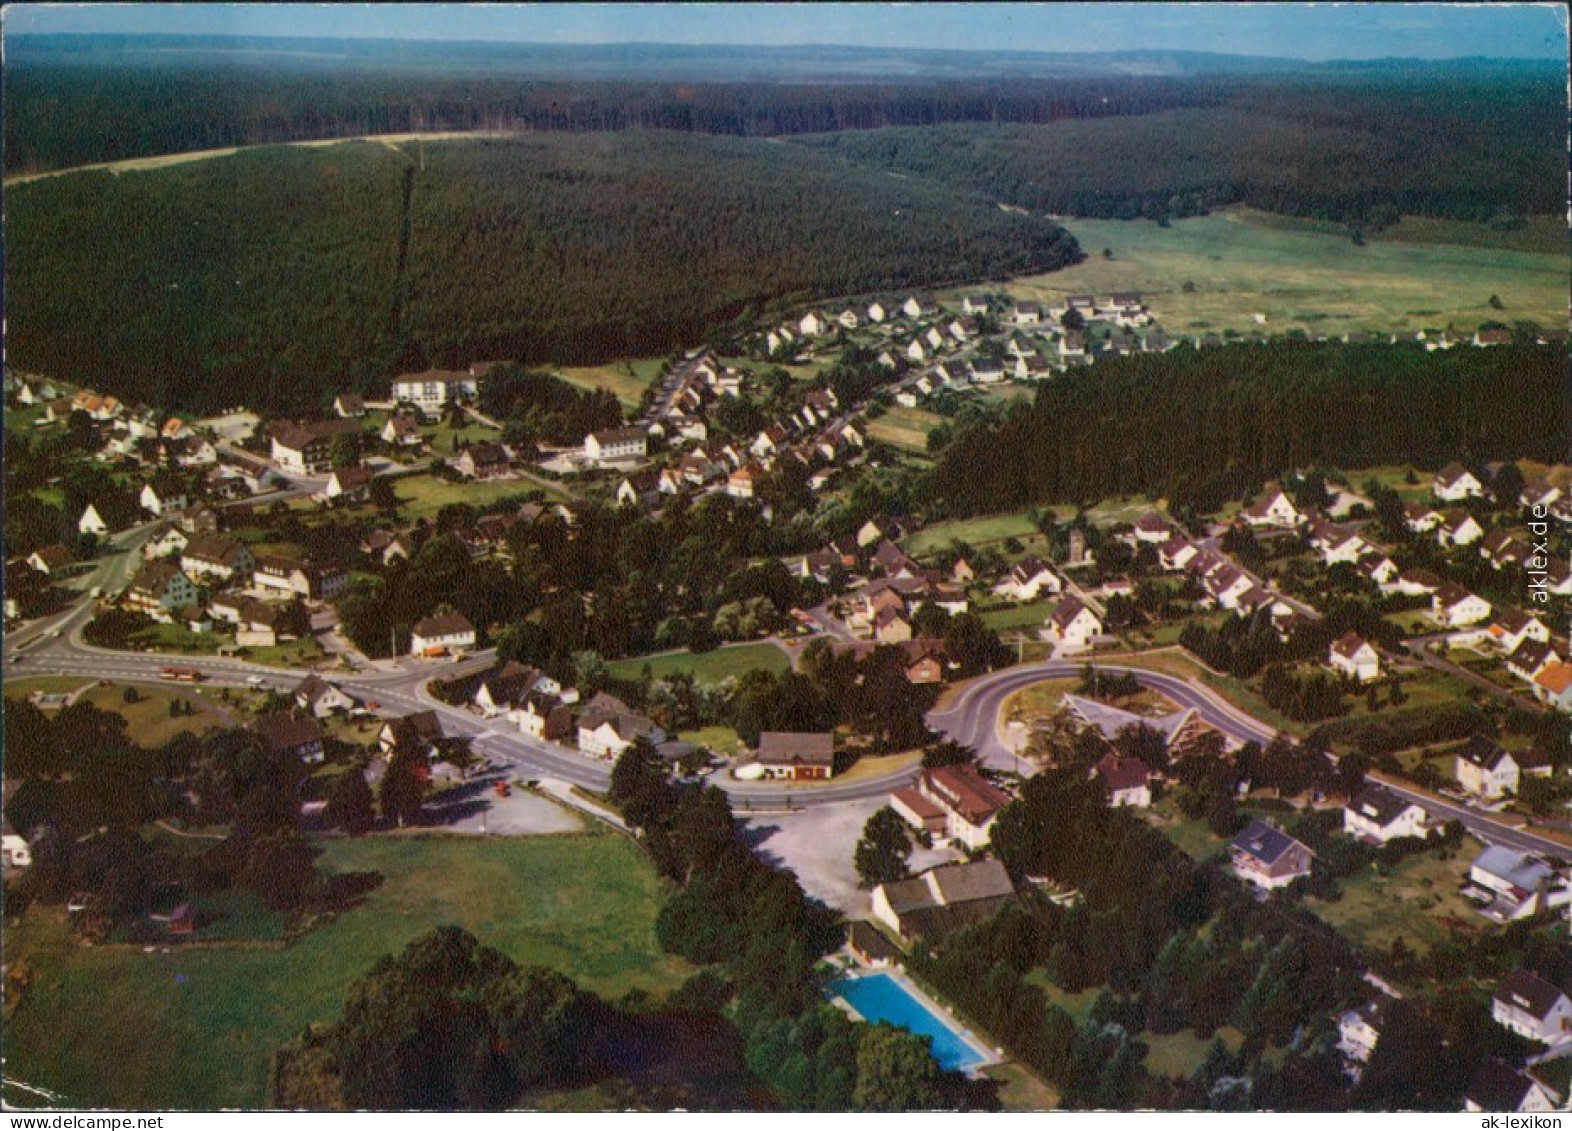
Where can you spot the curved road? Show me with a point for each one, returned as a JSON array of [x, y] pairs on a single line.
[[53, 646]]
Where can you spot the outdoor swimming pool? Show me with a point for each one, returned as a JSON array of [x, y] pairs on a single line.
[[879, 997]]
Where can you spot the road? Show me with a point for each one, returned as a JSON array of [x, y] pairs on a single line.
[[53, 646]]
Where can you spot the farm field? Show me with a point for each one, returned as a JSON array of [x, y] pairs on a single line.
[[905, 427], [706, 667], [194, 1028], [1242, 263]]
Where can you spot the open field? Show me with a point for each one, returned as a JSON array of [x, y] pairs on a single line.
[[706, 667], [148, 722], [1409, 903], [905, 427], [422, 496], [1032, 614], [1241, 263], [626, 380], [973, 531], [194, 1028], [1540, 235], [1180, 1054]]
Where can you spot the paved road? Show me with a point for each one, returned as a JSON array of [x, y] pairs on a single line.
[[400, 687]]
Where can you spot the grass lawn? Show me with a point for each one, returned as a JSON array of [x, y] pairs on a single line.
[[1545, 235], [722, 740], [442, 435], [148, 722], [626, 380], [1409, 903], [177, 638], [973, 531], [706, 667], [1194, 839], [870, 766], [23, 418], [1235, 691], [1019, 1090], [1038, 700], [1180, 1054], [422, 496], [1032, 614], [1077, 1005], [293, 654], [1243, 263], [112, 1026]]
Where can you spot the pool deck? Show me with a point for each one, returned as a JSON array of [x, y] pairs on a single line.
[[988, 1056]]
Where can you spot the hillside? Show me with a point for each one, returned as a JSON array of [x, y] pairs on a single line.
[[276, 275]]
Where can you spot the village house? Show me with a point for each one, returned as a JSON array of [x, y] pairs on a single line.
[[162, 496], [418, 733], [1152, 528], [1458, 528], [402, 431], [814, 323], [1509, 628], [1028, 579], [1359, 1029], [1125, 781], [1176, 553], [213, 557], [544, 716], [200, 519], [1538, 495], [615, 444], [349, 484], [1510, 885], [1532, 1007], [441, 635], [1452, 606], [1454, 483], [1530, 658], [91, 522], [1073, 626], [435, 387], [320, 699], [642, 488], [504, 688], [744, 482], [877, 312], [15, 852], [1352, 656], [608, 726], [797, 756], [1376, 815], [483, 461], [306, 449], [891, 626], [1496, 1087], [1268, 858], [158, 589], [967, 801], [1485, 769], [298, 578], [1273, 509], [943, 899], [290, 735], [1553, 685], [349, 406], [50, 560]]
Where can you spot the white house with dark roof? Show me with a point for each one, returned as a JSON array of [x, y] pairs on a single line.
[[1452, 606], [1273, 509], [1359, 1029], [1126, 781], [616, 444], [91, 522], [608, 726], [1376, 815], [1454, 483], [1532, 1007], [1351, 655], [1510, 885], [1458, 528], [1485, 769], [1073, 626], [1497, 1087], [441, 635]]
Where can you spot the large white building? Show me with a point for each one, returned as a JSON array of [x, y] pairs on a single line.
[[616, 444], [435, 387]]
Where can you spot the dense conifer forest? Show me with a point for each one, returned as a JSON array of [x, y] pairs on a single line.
[[278, 275], [1202, 427]]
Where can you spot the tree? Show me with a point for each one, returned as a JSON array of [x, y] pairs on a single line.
[[404, 786], [345, 450], [885, 847], [895, 1072], [349, 803], [1507, 486]]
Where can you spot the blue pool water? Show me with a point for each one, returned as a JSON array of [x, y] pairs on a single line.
[[879, 997]]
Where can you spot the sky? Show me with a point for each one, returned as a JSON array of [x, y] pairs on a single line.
[[1299, 31]]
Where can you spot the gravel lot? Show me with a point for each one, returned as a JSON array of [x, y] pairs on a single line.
[[817, 844]]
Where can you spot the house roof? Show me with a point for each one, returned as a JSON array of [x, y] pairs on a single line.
[[1152, 522], [420, 729], [1264, 842], [963, 883], [510, 682], [1556, 677], [1531, 654], [918, 804], [445, 624], [1450, 595], [486, 453], [618, 436], [313, 688], [1450, 474], [155, 576], [1527, 991], [1481, 752], [352, 476], [1065, 612], [1119, 773], [215, 548], [1377, 803], [436, 376], [967, 791], [813, 748], [286, 731], [54, 556], [1349, 644], [1519, 869], [864, 937], [1111, 720], [1496, 1087], [350, 402]]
